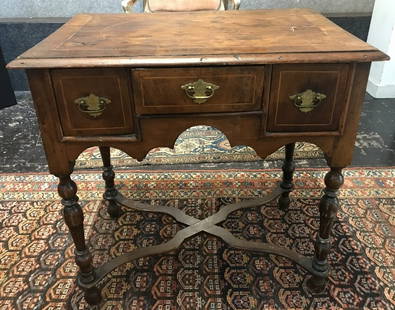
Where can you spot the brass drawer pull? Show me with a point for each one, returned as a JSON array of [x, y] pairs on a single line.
[[200, 91], [92, 105], [307, 101]]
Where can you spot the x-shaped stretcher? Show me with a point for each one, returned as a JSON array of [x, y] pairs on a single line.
[[195, 226]]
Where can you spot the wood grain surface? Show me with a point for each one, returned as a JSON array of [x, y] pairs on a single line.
[[235, 37], [71, 84], [329, 79], [158, 91]]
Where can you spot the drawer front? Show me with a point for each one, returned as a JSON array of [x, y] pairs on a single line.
[[308, 98], [193, 90], [93, 101]]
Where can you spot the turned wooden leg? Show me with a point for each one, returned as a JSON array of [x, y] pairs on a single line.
[[74, 218], [288, 171], [329, 205], [113, 209]]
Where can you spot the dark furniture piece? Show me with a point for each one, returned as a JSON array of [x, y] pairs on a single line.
[[7, 96], [135, 82]]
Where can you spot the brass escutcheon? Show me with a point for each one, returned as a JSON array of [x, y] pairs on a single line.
[[307, 101], [92, 105], [200, 91]]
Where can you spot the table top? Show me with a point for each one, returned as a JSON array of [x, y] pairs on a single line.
[[197, 38]]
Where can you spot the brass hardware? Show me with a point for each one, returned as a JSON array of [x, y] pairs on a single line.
[[308, 100], [92, 105], [200, 91]]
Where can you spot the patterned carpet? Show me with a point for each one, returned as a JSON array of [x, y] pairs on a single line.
[[37, 269], [195, 145]]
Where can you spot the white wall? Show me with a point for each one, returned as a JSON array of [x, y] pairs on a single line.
[[382, 35], [66, 8]]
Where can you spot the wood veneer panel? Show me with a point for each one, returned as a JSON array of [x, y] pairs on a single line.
[[236, 36], [287, 80], [158, 91], [113, 84]]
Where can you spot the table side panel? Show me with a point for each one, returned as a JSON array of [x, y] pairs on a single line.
[[59, 163]]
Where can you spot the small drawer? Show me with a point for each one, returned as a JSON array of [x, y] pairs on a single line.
[[308, 98], [197, 90], [93, 101]]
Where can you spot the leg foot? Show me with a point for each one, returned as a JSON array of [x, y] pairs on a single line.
[[284, 201], [288, 170], [113, 209], [316, 284], [92, 296]]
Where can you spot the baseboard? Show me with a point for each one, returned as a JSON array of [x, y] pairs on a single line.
[[380, 91]]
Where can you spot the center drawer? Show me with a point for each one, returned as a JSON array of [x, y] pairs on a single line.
[[193, 90]]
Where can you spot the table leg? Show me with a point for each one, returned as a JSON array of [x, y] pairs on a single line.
[[329, 205], [74, 218], [288, 171], [113, 209]]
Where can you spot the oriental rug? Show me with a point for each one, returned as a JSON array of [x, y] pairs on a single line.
[[37, 270]]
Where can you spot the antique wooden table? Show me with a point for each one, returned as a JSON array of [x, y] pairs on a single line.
[[134, 82]]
